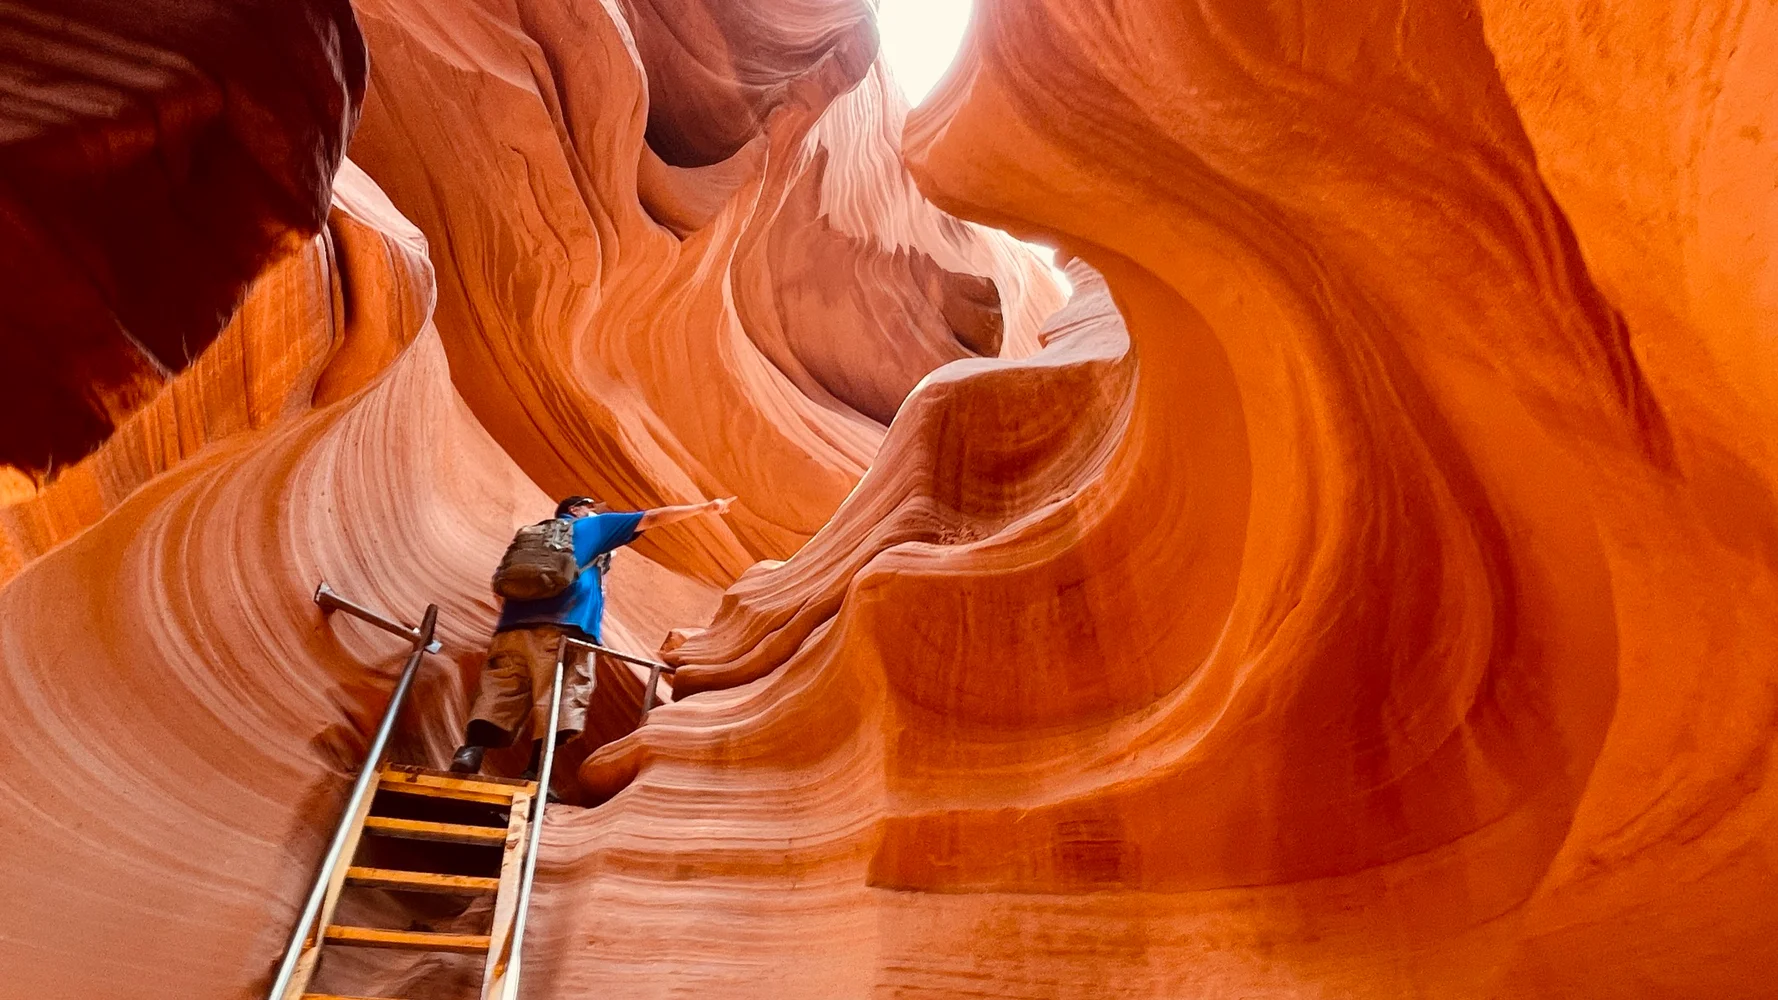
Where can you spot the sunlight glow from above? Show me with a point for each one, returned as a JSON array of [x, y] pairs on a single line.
[[920, 40]]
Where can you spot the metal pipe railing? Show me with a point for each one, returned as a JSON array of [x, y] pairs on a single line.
[[545, 768], [655, 670], [615, 654], [365, 785], [367, 777], [330, 600]]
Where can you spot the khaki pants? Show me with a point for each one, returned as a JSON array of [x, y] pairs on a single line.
[[517, 680]]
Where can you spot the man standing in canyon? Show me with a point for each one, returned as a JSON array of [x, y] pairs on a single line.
[[564, 561]]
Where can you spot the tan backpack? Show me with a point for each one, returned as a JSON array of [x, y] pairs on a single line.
[[539, 563]]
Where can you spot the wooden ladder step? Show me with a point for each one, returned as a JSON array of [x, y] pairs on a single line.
[[376, 937], [393, 878], [439, 785], [450, 833], [486, 779]]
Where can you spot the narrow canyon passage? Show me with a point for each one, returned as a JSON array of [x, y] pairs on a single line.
[[1353, 579]]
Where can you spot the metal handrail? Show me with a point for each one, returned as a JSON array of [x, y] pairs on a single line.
[[367, 777], [545, 771], [423, 643], [330, 600], [655, 670], [534, 834], [640, 661]]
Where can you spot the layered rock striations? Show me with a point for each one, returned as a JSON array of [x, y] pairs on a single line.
[[1402, 641], [1359, 588], [651, 325], [182, 716], [154, 157]]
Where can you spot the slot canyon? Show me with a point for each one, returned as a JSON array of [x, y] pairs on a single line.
[[1357, 579]]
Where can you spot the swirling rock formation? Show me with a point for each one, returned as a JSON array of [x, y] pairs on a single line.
[[154, 157], [1401, 640], [322, 435], [649, 331], [1361, 588], [717, 71]]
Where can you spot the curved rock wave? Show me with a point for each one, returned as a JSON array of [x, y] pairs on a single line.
[[183, 717], [1343, 668], [154, 158], [629, 328], [181, 729], [1357, 589]]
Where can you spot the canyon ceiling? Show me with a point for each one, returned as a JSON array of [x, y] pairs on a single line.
[[1362, 585]]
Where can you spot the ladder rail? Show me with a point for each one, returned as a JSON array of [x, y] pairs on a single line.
[[510, 974], [501, 976], [362, 789], [330, 600], [655, 669]]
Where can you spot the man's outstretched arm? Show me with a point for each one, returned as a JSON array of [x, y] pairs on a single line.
[[662, 516]]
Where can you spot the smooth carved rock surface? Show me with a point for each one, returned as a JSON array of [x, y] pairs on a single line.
[[154, 157], [1400, 636], [1361, 588], [182, 718], [650, 332], [716, 71], [323, 435]]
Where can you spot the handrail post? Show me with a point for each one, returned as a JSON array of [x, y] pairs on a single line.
[[655, 669], [618, 654], [654, 680], [545, 767], [330, 600], [363, 787]]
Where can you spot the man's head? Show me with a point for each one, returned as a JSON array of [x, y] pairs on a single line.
[[578, 507]]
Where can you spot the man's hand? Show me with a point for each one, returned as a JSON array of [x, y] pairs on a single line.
[[663, 516]]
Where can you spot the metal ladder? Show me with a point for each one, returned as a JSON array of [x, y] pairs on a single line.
[[395, 803], [504, 820], [499, 814]]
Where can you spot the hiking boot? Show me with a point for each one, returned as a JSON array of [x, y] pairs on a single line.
[[468, 759]]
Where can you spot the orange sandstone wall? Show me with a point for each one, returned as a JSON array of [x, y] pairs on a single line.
[[154, 157], [1362, 587], [654, 328], [1408, 636], [181, 717], [178, 715]]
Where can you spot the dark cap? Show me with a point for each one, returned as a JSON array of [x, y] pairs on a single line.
[[570, 503]]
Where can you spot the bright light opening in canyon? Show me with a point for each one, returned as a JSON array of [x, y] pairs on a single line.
[[920, 40], [1363, 588]]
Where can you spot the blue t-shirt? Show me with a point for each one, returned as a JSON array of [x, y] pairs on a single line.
[[583, 604]]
